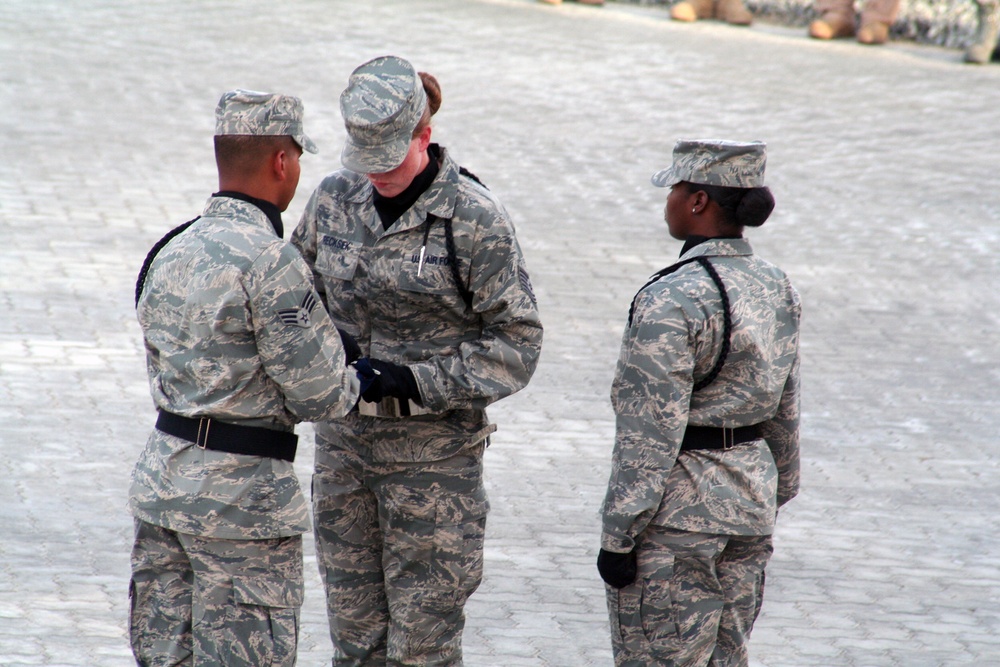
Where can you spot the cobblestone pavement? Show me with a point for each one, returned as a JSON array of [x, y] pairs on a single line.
[[883, 161]]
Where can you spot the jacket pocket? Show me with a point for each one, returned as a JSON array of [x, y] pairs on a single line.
[[337, 258], [430, 287], [336, 263]]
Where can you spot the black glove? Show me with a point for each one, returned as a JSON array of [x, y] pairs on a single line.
[[352, 351], [391, 380], [366, 374], [617, 569]]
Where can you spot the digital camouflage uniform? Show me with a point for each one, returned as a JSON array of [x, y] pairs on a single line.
[[399, 503], [984, 44], [701, 520], [233, 331]]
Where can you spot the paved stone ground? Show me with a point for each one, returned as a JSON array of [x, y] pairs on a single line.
[[884, 165]]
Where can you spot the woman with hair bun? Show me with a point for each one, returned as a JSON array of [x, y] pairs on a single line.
[[706, 399], [419, 266]]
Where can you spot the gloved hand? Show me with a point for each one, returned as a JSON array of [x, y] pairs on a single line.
[[366, 373], [617, 570], [393, 380], [352, 351]]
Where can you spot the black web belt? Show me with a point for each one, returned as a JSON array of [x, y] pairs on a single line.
[[210, 433], [712, 437]]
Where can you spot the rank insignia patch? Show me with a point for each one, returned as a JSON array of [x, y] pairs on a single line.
[[525, 281], [299, 317]]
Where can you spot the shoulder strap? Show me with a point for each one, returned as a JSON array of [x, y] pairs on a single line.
[[656, 276], [727, 326], [465, 172], [727, 323], [449, 239], [141, 282]]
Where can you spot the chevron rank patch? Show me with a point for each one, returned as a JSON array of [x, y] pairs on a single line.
[[299, 317], [525, 281]]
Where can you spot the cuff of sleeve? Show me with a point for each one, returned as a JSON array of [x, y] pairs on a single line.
[[621, 544], [427, 383]]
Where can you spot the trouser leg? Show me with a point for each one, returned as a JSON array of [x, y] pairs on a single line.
[[670, 615], [881, 11], [988, 30], [740, 569], [160, 592], [843, 8], [245, 601], [349, 551], [433, 520], [693, 603]]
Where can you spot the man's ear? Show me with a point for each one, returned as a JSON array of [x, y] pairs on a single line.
[[279, 164]]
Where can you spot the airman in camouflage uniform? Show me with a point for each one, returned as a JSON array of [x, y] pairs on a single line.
[[984, 45], [419, 263], [707, 413], [238, 351]]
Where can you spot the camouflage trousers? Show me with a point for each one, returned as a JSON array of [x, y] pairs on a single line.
[[204, 602], [694, 601], [399, 545], [883, 11]]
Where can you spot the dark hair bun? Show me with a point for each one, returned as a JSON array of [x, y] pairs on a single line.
[[433, 90], [755, 207]]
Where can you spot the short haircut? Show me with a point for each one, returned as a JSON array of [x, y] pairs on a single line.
[[243, 154]]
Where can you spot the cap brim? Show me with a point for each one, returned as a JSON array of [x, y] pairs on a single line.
[[665, 178], [307, 144], [375, 159]]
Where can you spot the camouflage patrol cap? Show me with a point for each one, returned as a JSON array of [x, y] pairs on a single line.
[[381, 106], [246, 112], [731, 164]]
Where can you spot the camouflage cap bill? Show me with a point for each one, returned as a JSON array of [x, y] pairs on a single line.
[[247, 112], [381, 106], [711, 162]]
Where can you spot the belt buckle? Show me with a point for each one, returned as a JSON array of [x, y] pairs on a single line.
[[206, 422], [728, 438], [387, 407]]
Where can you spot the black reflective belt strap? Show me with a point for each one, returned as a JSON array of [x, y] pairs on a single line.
[[209, 433], [712, 437]]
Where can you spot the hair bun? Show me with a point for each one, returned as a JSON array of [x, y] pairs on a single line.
[[433, 90], [755, 207]]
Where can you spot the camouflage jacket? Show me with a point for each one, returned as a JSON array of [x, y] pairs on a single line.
[[403, 310], [673, 341], [233, 332]]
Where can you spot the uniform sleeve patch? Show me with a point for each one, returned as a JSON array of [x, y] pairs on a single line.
[[299, 317], [522, 275]]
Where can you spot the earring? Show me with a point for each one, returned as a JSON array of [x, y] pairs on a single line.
[[694, 210]]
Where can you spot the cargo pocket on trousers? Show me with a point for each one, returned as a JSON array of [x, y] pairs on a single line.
[[435, 546], [658, 609], [263, 624], [458, 559], [626, 623], [659, 616], [134, 633]]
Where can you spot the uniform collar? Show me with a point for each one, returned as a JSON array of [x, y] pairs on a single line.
[[700, 246], [272, 212], [439, 199]]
